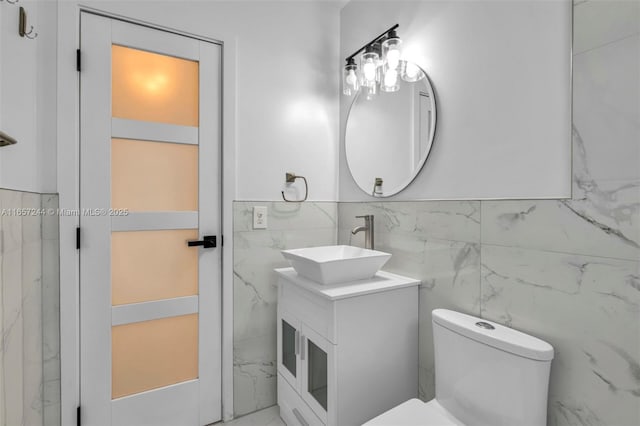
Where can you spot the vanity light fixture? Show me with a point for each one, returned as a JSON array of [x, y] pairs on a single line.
[[380, 66]]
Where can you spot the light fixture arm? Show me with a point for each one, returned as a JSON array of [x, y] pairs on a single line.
[[375, 40]]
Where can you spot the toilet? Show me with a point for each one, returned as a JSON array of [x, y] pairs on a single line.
[[486, 374]]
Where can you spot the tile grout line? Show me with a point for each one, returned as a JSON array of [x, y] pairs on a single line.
[[480, 268], [591, 49], [622, 259]]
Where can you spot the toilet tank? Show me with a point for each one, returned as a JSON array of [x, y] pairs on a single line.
[[489, 374]]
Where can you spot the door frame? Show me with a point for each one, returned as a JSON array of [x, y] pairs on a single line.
[[68, 166]]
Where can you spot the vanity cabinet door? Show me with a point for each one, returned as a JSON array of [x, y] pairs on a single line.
[[317, 360], [289, 348]]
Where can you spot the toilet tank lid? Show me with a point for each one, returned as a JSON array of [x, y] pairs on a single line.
[[500, 336]]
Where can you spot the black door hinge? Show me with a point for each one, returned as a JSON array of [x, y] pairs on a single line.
[[78, 418], [78, 238], [78, 60], [221, 240]]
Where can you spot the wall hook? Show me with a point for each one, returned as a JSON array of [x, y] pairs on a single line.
[[290, 178], [22, 25]]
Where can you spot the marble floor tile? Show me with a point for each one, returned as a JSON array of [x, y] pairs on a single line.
[[266, 417]]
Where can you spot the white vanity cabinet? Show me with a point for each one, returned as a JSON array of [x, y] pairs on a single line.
[[346, 352]]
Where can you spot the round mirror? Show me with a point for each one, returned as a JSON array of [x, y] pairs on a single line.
[[389, 135]]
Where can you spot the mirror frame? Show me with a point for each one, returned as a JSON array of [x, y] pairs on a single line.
[[405, 184]]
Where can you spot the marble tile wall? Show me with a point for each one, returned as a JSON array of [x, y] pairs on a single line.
[[437, 242], [51, 312], [567, 271], [29, 349], [256, 254]]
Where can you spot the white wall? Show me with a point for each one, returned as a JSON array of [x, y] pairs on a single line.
[[27, 97], [501, 72], [286, 82]]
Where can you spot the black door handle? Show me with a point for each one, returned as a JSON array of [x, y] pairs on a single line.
[[208, 241]]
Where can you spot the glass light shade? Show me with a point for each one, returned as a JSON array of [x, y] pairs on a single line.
[[371, 91], [391, 52], [411, 72], [369, 67], [350, 83], [390, 80], [378, 49]]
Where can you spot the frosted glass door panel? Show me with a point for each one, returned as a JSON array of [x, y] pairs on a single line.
[[153, 176], [151, 354], [153, 265], [151, 87]]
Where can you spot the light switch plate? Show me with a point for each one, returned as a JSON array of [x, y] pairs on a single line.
[[259, 217]]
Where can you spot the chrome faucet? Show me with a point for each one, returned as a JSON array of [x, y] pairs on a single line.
[[368, 230]]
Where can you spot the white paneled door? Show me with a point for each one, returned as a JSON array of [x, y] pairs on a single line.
[[150, 265]]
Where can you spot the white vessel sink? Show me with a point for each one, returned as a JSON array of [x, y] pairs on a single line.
[[336, 264]]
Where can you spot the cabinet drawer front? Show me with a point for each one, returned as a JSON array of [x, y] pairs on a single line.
[[309, 308], [293, 410]]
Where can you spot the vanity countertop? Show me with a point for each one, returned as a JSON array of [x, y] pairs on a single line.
[[381, 281]]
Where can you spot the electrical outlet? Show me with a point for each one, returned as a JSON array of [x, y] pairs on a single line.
[[259, 217]]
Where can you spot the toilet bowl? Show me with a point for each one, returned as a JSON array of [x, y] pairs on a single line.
[[486, 375]]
